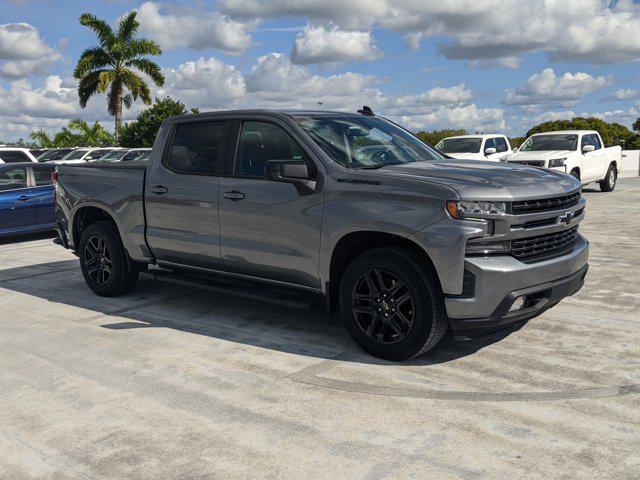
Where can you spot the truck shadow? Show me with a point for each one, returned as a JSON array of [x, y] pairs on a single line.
[[223, 316], [26, 237]]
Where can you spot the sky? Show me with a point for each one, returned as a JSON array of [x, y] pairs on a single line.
[[484, 66]]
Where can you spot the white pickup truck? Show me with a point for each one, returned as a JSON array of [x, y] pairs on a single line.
[[580, 153], [487, 147]]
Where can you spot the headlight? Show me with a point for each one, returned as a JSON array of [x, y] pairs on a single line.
[[467, 208], [488, 248], [556, 162]]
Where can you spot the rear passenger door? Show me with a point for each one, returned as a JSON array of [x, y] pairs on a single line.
[[16, 209], [268, 228], [181, 194]]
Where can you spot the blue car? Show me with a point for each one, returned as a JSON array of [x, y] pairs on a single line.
[[26, 198]]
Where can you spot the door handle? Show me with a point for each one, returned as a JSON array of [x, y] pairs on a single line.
[[233, 195], [159, 189], [23, 198]]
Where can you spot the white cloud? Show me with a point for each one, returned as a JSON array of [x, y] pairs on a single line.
[[546, 87], [320, 44], [484, 32], [194, 29], [624, 94], [24, 51], [469, 117]]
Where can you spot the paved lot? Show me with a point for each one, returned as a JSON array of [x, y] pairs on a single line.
[[169, 382]]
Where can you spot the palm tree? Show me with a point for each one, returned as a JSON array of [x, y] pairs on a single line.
[[110, 67], [89, 135], [42, 139]]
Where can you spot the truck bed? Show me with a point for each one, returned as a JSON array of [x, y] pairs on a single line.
[[116, 187]]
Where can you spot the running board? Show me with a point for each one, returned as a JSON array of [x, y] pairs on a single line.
[[286, 297]]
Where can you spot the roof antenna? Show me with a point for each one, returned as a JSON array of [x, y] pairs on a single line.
[[366, 111]]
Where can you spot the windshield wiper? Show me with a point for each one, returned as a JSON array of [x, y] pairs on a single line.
[[370, 167]]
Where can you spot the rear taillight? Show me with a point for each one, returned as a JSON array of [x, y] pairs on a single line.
[[54, 180]]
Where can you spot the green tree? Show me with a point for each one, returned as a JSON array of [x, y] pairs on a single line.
[[434, 136], [89, 135], [142, 131], [111, 66], [42, 139], [636, 125]]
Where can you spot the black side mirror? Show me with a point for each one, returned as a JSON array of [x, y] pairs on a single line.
[[292, 171]]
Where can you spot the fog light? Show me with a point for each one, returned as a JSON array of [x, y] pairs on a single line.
[[518, 303]]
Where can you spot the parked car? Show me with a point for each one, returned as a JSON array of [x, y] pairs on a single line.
[[114, 155], [134, 153], [54, 154], [36, 152], [491, 147], [15, 155], [146, 155], [26, 198], [580, 153], [81, 155], [406, 247]]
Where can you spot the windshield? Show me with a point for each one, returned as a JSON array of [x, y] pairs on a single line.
[[114, 155], [550, 142], [460, 145], [365, 142], [47, 155], [75, 154]]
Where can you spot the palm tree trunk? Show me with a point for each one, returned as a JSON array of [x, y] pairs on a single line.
[[118, 117]]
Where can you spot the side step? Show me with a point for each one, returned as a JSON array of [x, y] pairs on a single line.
[[263, 292]]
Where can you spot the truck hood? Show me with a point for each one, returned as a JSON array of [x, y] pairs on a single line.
[[542, 155], [480, 180]]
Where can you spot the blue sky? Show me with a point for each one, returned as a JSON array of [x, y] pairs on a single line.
[[483, 66]]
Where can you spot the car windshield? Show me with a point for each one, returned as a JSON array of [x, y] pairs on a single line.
[[460, 145], [75, 154], [114, 155], [43, 157], [143, 156], [539, 143], [365, 142]]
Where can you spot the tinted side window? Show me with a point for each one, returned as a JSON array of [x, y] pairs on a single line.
[[591, 139], [197, 148], [42, 176], [490, 143], [14, 156], [596, 141], [260, 142], [13, 178], [501, 144], [130, 156]]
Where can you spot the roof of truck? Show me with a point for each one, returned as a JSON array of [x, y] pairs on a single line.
[[287, 112], [565, 132], [479, 135]]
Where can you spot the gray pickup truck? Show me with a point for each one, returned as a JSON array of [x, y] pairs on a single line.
[[405, 242]]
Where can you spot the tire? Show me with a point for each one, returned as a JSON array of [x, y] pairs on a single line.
[[575, 174], [610, 180], [116, 273], [414, 324]]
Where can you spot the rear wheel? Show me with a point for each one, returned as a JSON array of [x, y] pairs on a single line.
[[392, 304], [105, 264], [609, 182]]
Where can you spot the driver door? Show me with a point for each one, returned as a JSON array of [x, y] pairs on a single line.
[[269, 229]]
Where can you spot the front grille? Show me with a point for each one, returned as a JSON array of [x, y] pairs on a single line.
[[543, 246], [545, 204], [531, 163]]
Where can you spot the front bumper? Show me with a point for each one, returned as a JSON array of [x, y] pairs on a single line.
[[500, 280]]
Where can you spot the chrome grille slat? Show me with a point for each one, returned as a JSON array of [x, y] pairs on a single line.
[[545, 204]]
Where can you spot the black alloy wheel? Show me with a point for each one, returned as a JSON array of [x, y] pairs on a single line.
[[383, 306], [98, 260]]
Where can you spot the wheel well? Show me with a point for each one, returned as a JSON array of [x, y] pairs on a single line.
[[85, 217], [615, 165], [577, 170], [352, 245]]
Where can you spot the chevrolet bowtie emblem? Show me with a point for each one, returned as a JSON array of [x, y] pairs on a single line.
[[566, 218]]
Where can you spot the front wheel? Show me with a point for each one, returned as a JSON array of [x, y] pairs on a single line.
[[609, 182], [392, 304], [105, 264]]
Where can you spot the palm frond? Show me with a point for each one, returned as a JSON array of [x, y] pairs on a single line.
[[88, 86], [139, 47], [137, 86], [92, 59], [148, 67], [100, 27], [128, 26], [113, 96]]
